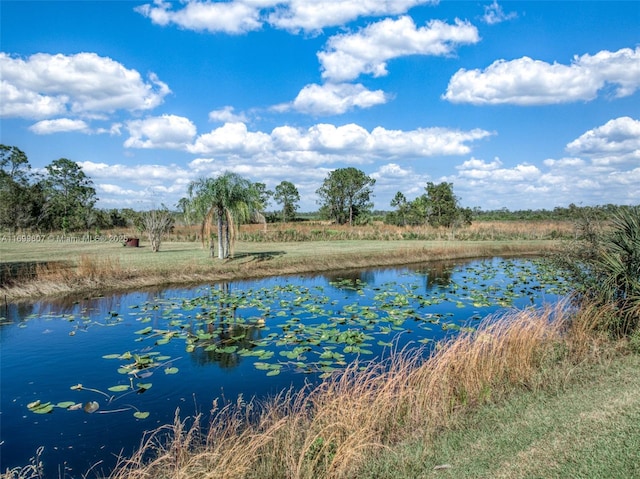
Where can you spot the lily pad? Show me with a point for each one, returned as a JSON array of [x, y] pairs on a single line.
[[171, 370], [119, 388], [141, 414]]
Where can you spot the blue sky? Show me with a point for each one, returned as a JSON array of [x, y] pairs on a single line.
[[522, 105]]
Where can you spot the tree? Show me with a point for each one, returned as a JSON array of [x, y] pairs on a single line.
[[157, 223], [346, 194], [400, 202], [69, 194], [231, 200], [287, 195], [442, 204], [20, 198]]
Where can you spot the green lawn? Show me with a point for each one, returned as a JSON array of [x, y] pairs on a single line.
[[590, 429]]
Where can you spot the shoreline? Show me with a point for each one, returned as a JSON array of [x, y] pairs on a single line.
[[106, 268]]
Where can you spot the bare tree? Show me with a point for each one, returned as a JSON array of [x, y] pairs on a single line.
[[157, 223]]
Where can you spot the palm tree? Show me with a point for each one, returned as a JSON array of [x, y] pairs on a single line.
[[231, 200]]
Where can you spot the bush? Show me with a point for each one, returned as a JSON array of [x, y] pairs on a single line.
[[604, 263]]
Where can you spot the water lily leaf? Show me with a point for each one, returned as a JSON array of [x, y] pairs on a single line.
[[144, 386], [141, 414], [44, 408], [65, 404], [91, 407], [146, 330], [273, 372], [119, 388], [111, 356], [171, 370]]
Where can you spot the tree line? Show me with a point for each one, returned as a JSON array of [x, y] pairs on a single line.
[[63, 198]]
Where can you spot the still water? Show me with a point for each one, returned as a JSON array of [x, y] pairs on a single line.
[[84, 378]]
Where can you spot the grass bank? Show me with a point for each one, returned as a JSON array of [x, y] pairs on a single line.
[[49, 268]]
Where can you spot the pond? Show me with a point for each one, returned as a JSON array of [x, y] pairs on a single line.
[[85, 378]]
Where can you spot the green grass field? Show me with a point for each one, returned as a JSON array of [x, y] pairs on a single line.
[[585, 428]]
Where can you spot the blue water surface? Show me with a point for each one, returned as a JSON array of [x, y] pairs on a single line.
[[216, 342]]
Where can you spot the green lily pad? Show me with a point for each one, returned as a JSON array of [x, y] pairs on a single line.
[[119, 388], [65, 404], [141, 414], [171, 370]]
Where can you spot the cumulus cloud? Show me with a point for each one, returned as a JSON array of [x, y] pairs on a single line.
[[242, 16], [44, 85], [324, 142], [233, 17], [349, 55], [525, 81], [47, 127], [166, 131], [312, 16], [494, 14], [616, 141], [603, 168], [139, 175], [231, 138], [333, 99], [226, 115], [479, 170]]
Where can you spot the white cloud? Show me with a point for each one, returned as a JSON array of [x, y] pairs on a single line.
[[242, 16], [348, 55], [324, 142], [616, 141], [480, 170], [47, 127], [227, 115], [315, 15], [166, 131], [333, 99], [525, 81], [231, 138], [233, 17], [86, 84], [494, 14], [604, 170]]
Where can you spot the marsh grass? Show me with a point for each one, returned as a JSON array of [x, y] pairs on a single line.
[[335, 429]]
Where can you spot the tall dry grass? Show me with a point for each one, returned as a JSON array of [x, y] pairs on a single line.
[[329, 431], [478, 231]]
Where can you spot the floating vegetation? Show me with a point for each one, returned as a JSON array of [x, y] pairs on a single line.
[[308, 329]]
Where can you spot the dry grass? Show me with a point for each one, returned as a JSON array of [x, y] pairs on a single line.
[[330, 431]]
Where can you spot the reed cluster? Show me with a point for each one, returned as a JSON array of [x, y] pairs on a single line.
[[330, 431]]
